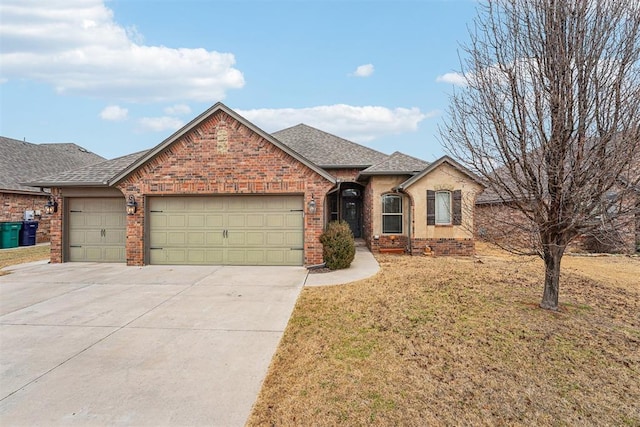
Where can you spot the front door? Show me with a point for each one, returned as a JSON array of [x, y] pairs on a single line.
[[352, 213]]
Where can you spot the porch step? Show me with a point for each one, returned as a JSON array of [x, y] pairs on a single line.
[[360, 243]]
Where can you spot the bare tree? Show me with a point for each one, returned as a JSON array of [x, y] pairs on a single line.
[[550, 116]]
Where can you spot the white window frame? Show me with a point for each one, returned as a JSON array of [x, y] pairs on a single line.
[[442, 208], [400, 214]]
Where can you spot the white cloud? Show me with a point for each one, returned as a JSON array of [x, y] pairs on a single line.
[[114, 113], [456, 79], [360, 124], [159, 124], [178, 110], [363, 71], [77, 47]]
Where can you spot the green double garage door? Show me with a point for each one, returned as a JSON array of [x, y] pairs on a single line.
[[226, 230]]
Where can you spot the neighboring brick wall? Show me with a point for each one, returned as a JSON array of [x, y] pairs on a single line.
[[221, 156], [508, 227], [505, 226], [13, 205]]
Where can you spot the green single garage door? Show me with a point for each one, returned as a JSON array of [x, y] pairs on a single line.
[[97, 229], [226, 230]]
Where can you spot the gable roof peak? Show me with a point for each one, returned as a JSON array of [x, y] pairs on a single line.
[[219, 106], [432, 166]]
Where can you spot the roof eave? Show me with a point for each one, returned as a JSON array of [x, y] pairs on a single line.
[[34, 192], [432, 166], [67, 184]]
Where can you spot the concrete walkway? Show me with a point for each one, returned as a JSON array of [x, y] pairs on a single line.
[[364, 265]]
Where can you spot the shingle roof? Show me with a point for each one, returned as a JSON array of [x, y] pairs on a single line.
[[99, 174], [327, 150], [22, 161], [396, 163]]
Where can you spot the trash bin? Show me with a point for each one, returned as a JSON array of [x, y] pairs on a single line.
[[10, 234], [28, 233]]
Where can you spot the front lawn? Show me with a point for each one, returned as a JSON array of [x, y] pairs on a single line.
[[461, 341], [21, 255]]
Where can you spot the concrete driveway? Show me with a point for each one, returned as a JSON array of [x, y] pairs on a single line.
[[99, 344]]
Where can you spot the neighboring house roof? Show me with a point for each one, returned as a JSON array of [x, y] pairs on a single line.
[[99, 174], [327, 150], [195, 122], [22, 161], [396, 163], [434, 165]]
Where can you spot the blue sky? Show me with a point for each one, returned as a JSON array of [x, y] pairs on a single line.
[[119, 76]]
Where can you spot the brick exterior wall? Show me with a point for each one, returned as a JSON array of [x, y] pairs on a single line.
[[13, 206], [420, 246], [222, 156], [56, 229], [443, 247], [345, 175]]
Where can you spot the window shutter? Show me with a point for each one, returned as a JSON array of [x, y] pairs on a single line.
[[431, 207], [457, 207]]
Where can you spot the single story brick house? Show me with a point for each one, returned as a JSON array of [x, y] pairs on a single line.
[[22, 161], [222, 191]]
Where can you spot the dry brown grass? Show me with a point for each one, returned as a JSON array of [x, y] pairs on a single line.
[[21, 255], [446, 341]]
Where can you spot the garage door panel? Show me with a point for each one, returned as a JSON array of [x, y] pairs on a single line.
[[215, 221], [114, 238], [157, 221], [255, 220], [236, 220], [275, 239], [157, 238], [176, 238], [294, 221], [177, 221], [113, 254], [215, 256], [294, 239], [274, 220], [96, 229], [237, 238], [214, 238], [237, 230], [255, 238], [196, 239], [196, 221]]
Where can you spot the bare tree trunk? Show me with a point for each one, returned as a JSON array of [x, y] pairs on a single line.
[[552, 258]]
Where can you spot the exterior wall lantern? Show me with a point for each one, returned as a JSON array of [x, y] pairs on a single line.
[[51, 207], [311, 206], [132, 206]]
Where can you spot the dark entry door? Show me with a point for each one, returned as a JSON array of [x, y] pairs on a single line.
[[351, 213]]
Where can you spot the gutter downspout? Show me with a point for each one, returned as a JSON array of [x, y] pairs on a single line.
[[410, 217]]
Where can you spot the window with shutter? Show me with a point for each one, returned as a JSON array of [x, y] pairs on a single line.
[[444, 207]]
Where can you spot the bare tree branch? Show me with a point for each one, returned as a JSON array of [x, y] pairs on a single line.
[[550, 118]]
